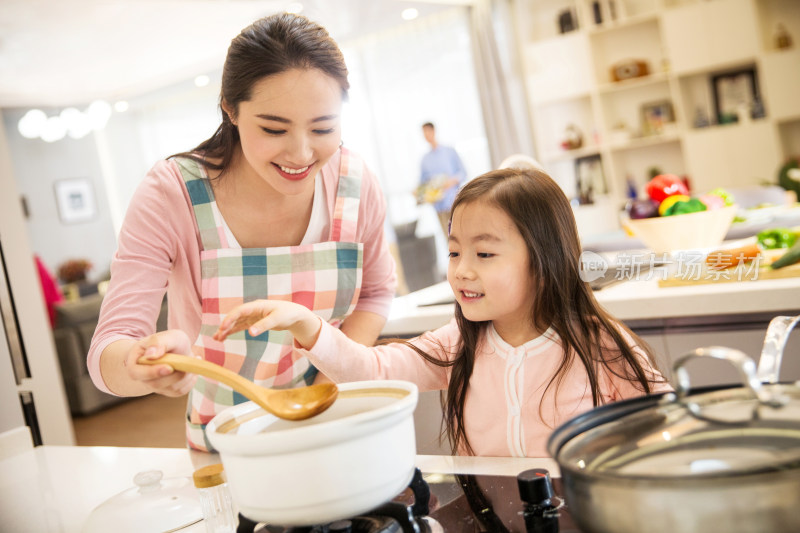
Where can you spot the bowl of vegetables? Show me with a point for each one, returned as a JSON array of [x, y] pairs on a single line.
[[670, 219]]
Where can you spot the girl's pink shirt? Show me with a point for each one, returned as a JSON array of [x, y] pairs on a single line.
[[159, 250], [502, 414]]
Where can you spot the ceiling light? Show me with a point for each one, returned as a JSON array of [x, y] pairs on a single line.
[[409, 14], [121, 106], [201, 81], [294, 7], [99, 112], [32, 123], [54, 130]]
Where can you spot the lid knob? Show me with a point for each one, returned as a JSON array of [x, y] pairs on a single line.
[[535, 487], [209, 476]]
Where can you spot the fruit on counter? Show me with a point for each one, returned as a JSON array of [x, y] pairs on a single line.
[[773, 238], [669, 201], [713, 201], [791, 257], [727, 197], [664, 185], [682, 207], [722, 259], [642, 208]]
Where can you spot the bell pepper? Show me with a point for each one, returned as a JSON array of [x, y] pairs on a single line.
[[669, 201], [771, 239], [665, 185], [692, 205]]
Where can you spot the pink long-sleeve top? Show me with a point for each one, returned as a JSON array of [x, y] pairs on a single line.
[[159, 250], [502, 414]]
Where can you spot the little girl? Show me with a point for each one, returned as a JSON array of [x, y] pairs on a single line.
[[529, 347]]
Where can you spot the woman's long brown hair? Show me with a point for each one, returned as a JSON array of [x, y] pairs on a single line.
[[563, 301]]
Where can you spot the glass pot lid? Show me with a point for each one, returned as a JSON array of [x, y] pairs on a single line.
[[728, 432], [154, 504]]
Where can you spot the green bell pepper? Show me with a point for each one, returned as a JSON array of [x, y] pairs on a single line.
[[771, 239], [692, 205]]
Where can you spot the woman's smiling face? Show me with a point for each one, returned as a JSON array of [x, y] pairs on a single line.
[[489, 270], [290, 128]]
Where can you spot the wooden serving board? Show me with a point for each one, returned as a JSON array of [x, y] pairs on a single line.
[[747, 272]]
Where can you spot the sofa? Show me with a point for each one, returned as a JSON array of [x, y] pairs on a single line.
[[75, 325]]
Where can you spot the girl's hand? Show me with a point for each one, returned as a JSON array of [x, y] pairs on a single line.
[[162, 379], [260, 315]]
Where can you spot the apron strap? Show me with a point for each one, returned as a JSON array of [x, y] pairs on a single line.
[[348, 197], [202, 197]]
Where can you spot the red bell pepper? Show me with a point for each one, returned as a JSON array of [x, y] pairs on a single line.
[[665, 185]]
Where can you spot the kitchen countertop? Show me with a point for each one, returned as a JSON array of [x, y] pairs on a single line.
[[55, 488], [636, 299]]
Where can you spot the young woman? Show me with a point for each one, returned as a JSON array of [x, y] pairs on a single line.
[[271, 206], [529, 347]]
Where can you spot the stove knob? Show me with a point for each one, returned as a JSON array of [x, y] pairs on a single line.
[[535, 487]]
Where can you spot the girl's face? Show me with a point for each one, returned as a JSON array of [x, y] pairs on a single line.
[[290, 128], [489, 270]]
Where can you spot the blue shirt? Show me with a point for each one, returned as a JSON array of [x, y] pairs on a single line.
[[443, 161]]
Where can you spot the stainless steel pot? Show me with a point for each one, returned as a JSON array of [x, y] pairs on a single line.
[[347, 460], [722, 460]]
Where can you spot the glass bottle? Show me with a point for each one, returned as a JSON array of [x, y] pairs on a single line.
[[215, 499]]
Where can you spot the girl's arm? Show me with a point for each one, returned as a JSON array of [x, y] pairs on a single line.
[[339, 357]]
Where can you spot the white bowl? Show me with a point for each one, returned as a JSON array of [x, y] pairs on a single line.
[[691, 231], [354, 456]]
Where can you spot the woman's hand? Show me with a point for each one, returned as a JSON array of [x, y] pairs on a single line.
[[260, 315], [162, 379]]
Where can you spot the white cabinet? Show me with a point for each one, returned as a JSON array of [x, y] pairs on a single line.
[[681, 117], [698, 36]]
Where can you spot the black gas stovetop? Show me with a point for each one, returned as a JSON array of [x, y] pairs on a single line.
[[434, 503]]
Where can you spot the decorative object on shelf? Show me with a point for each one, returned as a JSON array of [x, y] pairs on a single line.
[[620, 133], [629, 69], [573, 138], [590, 179], [567, 21], [783, 41], [655, 115], [75, 199], [597, 12], [73, 270], [701, 118], [733, 89]]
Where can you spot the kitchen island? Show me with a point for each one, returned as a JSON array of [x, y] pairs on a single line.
[[53, 489]]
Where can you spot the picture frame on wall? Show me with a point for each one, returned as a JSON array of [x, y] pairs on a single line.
[[75, 200], [734, 93], [590, 179], [655, 115]]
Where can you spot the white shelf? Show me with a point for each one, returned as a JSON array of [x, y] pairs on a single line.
[[685, 43], [633, 83]]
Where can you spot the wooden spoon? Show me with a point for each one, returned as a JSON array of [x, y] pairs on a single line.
[[289, 404]]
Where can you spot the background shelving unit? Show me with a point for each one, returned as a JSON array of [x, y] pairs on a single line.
[[571, 47]]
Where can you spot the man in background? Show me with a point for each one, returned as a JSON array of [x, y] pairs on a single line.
[[442, 174]]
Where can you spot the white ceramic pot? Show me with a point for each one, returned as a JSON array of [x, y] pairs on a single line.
[[351, 458]]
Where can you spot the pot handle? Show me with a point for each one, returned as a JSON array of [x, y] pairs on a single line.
[[747, 370], [769, 366]]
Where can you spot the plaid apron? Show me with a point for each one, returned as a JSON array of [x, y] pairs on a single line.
[[325, 277]]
